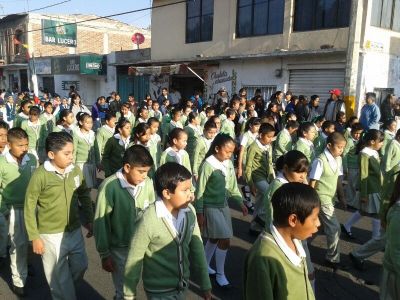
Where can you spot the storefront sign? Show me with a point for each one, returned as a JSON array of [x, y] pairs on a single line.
[[66, 65], [40, 66], [93, 64], [220, 77], [58, 33]]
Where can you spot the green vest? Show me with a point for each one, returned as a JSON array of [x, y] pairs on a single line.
[[327, 184]]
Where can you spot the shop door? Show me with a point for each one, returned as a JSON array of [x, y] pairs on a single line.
[[48, 84], [136, 85], [23, 75]]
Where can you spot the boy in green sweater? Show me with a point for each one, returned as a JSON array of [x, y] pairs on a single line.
[[284, 142], [121, 200], [228, 126], [103, 134], [275, 267], [52, 220], [16, 168], [164, 239], [327, 128]]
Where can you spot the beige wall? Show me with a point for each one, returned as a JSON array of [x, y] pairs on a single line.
[[169, 25]]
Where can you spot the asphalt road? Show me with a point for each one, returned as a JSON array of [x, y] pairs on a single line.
[[329, 285]]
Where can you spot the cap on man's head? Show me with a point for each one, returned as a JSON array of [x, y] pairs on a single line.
[[222, 89], [336, 92]]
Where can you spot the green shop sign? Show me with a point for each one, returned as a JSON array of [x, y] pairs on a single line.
[[93, 64], [59, 33]]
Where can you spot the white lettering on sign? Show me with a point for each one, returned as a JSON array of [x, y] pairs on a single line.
[[219, 77], [93, 66]]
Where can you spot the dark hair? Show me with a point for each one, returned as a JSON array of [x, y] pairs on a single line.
[[293, 198], [121, 123], [219, 141], [152, 120], [16, 133], [109, 116], [209, 109], [174, 111], [253, 121], [388, 122], [335, 138], [314, 97], [370, 96], [46, 104], [193, 115], [292, 124], [266, 128], [280, 163], [23, 103], [140, 110], [56, 141], [327, 124], [357, 127], [140, 129], [81, 117], [350, 121], [168, 176], [137, 156], [4, 125], [319, 119], [296, 161], [209, 125], [63, 114], [230, 112], [339, 115], [370, 135], [175, 134], [304, 128], [34, 110]]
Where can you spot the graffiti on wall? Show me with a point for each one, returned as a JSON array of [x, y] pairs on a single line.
[[157, 83]]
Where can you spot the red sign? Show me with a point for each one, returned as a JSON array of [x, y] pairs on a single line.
[[137, 38]]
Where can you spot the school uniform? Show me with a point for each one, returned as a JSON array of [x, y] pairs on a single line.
[[247, 139], [57, 223], [60, 128], [158, 115], [217, 182], [164, 127], [154, 147], [173, 125], [275, 271], [203, 119], [306, 147], [10, 114], [228, 127], [388, 137], [193, 132], [181, 157], [14, 179], [320, 144], [351, 167], [49, 120], [201, 148], [159, 254], [326, 170], [119, 206], [37, 134], [103, 134], [130, 117], [391, 167], [19, 118], [114, 151], [184, 119], [84, 155], [283, 144]]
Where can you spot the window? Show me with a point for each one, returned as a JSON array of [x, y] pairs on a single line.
[[199, 21], [386, 14], [321, 14], [266, 90], [259, 17]]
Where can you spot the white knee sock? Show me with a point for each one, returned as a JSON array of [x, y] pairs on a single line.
[[376, 228], [220, 256], [355, 217], [209, 250]]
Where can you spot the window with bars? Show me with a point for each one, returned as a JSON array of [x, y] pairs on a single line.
[[321, 14], [199, 21], [266, 90], [259, 17], [386, 14]]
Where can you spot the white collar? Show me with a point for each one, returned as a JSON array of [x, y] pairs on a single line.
[[48, 166], [128, 115], [195, 128], [88, 137], [132, 189], [30, 124], [140, 120], [370, 152], [176, 124], [292, 256], [163, 212], [331, 160], [215, 163], [108, 128], [10, 159], [252, 136], [177, 154], [392, 134], [207, 141], [48, 116], [281, 178], [141, 144], [5, 150], [123, 143], [262, 147], [285, 131], [323, 135], [22, 115], [307, 142]]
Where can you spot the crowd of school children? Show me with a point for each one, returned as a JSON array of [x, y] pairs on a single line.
[[169, 173]]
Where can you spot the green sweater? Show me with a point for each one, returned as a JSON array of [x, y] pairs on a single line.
[[213, 187], [193, 135], [390, 166], [117, 212], [84, 148], [131, 118], [350, 158], [164, 256], [201, 149], [112, 156], [270, 275], [166, 157], [14, 179], [36, 135], [307, 150], [102, 136], [283, 144], [388, 137], [320, 144], [51, 202], [258, 164], [370, 175], [275, 184], [19, 118], [49, 123], [391, 260], [228, 127]]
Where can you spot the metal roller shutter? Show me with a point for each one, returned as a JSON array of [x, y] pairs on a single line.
[[316, 82]]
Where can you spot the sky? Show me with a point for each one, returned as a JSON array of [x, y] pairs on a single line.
[[96, 7]]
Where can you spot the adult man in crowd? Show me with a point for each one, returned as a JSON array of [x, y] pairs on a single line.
[[115, 106], [370, 113], [334, 105], [164, 95]]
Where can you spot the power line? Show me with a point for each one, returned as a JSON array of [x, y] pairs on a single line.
[[40, 8], [103, 17]]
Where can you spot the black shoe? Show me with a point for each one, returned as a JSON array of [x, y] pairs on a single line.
[[17, 290], [357, 262], [336, 265], [349, 234], [224, 287]]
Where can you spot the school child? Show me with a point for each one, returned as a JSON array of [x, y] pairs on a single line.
[[325, 179], [340, 123], [142, 115], [155, 142], [259, 172], [126, 113], [165, 107], [213, 213], [66, 122], [390, 282], [4, 127], [23, 113], [351, 168], [370, 182], [156, 111], [121, 200], [176, 114], [185, 115], [390, 131], [48, 118], [284, 142], [352, 120], [84, 149], [202, 146], [228, 126], [37, 133], [56, 187], [16, 168], [116, 146], [275, 266], [304, 144], [318, 124], [142, 135], [217, 121], [168, 227], [103, 134], [243, 121], [327, 128], [193, 131], [391, 166], [176, 152], [10, 111], [206, 114]]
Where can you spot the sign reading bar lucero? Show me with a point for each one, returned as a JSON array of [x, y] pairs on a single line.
[[59, 33]]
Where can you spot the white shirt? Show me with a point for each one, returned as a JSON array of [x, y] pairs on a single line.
[[48, 166], [307, 142], [133, 190], [177, 154], [370, 152], [88, 137], [318, 167], [124, 143], [10, 159], [108, 128], [174, 223], [223, 166], [264, 148], [249, 136]]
